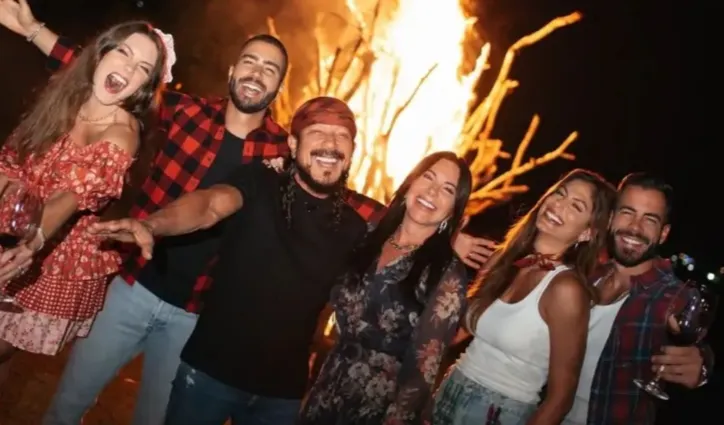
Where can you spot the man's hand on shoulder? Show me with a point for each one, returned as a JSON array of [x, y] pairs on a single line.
[[474, 252], [277, 164]]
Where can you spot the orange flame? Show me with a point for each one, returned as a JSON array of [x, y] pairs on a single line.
[[403, 82]]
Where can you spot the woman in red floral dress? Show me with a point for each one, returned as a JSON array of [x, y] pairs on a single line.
[[74, 148]]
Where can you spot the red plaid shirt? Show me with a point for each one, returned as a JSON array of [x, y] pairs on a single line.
[[638, 332], [195, 128]]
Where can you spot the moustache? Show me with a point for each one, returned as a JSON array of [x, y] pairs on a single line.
[[630, 234], [252, 80], [329, 153]]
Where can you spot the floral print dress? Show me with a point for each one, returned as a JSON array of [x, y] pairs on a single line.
[[383, 367], [65, 287]]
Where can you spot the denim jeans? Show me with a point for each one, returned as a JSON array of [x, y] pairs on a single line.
[[198, 399], [460, 401], [133, 321]]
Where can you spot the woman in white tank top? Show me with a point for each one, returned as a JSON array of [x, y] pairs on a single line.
[[529, 312]]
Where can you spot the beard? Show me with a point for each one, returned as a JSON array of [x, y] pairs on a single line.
[[324, 188], [247, 106], [627, 257]]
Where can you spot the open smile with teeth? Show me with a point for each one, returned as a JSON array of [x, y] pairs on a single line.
[[552, 218], [632, 242], [251, 89], [115, 83], [326, 161], [425, 203]]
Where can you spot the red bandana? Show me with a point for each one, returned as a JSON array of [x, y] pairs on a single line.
[[543, 261]]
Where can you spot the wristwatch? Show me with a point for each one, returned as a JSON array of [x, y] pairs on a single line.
[[707, 357], [704, 376]]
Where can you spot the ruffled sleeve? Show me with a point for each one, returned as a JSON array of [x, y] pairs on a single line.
[[9, 164], [435, 330], [96, 176]]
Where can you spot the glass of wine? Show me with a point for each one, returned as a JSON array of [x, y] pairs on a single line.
[[685, 328], [20, 212]]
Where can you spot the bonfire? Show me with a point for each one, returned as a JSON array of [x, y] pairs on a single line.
[[398, 65]]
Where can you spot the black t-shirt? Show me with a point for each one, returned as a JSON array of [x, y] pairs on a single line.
[[270, 285], [179, 260]]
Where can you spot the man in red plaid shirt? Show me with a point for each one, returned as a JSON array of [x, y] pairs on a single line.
[[152, 308], [628, 327]]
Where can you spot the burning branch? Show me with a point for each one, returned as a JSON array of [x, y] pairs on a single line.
[[479, 127], [367, 76]]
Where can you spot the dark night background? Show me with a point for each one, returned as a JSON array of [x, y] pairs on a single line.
[[628, 78]]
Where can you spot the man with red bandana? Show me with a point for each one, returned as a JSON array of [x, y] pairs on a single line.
[[288, 237]]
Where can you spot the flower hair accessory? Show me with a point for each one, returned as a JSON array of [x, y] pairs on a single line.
[[170, 54]]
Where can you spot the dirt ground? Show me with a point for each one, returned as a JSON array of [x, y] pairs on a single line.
[[34, 378]]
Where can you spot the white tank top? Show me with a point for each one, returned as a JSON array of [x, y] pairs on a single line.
[[599, 329], [510, 349]]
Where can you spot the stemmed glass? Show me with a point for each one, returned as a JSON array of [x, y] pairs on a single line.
[[20, 212], [685, 328]]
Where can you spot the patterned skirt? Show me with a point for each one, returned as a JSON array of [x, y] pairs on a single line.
[[460, 401], [40, 333]]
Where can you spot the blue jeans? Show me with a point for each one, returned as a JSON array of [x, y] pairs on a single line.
[[460, 401], [198, 399], [133, 321]]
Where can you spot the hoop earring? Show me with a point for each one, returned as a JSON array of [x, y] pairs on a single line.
[[442, 226]]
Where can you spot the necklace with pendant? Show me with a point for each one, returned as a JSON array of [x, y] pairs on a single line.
[[83, 117]]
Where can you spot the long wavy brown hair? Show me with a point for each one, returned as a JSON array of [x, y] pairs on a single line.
[[519, 240], [55, 111]]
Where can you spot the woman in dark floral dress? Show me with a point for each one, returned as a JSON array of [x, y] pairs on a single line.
[[398, 306]]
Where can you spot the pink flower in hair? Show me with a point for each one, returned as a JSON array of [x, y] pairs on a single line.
[[170, 54]]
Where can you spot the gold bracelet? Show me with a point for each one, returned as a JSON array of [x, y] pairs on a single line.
[[148, 226], [41, 235], [35, 32]]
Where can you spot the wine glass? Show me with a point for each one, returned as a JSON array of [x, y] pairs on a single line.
[[685, 328], [20, 212]]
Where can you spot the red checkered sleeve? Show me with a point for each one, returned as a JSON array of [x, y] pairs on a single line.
[[369, 209], [62, 53]]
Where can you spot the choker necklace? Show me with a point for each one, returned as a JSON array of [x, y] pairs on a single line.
[[543, 261], [83, 117], [399, 247]]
